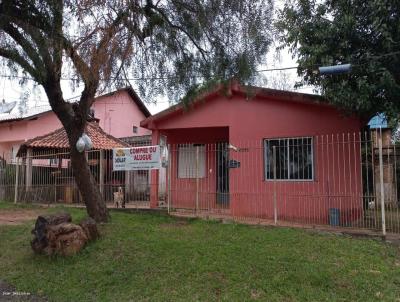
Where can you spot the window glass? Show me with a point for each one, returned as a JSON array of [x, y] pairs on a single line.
[[294, 158], [188, 161]]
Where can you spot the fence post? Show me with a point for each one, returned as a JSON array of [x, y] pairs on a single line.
[[169, 179], [16, 180], [381, 185], [274, 167], [197, 178], [101, 171], [28, 170]]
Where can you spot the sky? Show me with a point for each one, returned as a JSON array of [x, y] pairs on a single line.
[[10, 90]]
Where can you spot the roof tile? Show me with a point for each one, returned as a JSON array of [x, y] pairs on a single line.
[[58, 140]]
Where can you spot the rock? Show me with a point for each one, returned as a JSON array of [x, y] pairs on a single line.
[[40, 242], [65, 239], [58, 218], [56, 234]]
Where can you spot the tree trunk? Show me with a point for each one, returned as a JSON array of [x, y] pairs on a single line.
[[73, 117], [94, 201]]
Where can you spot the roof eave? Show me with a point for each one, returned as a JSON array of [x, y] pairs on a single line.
[[150, 122], [129, 90]]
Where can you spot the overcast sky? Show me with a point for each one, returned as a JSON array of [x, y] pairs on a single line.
[[11, 90]]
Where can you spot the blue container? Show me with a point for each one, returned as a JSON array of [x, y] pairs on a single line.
[[334, 217]]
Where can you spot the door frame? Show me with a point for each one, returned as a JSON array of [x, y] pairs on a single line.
[[222, 174]]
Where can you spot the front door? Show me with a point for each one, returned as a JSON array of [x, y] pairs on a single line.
[[222, 154]]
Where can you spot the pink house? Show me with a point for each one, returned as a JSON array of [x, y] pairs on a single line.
[[119, 112], [221, 154]]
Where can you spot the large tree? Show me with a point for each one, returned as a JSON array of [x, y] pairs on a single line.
[[169, 46], [364, 33]]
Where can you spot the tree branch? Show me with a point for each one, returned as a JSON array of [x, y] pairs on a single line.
[[81, 66], [31, 22], [14, 56], [98, 57], [26, 46], [180, 28], [58, 9]]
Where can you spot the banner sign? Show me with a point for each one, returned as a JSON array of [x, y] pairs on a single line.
[[137, 158]]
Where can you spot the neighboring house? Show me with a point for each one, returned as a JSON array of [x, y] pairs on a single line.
[[221, 148], [119, 114], [380, 131], [40, 182]]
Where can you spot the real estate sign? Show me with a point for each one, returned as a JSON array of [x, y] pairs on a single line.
[[137, 158]]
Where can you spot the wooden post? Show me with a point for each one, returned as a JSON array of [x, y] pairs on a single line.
[[28, 175], [16, 180], [154, 175]]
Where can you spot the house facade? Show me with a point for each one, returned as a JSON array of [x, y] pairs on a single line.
[[119, 114], [260, 152]]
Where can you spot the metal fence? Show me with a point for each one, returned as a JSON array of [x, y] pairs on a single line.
[[339, 180], [47, 177]]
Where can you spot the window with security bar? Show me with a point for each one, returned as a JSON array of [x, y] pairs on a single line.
[[191, 161], [294, 158]]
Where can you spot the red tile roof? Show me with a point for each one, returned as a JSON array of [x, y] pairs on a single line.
[[58, 140]]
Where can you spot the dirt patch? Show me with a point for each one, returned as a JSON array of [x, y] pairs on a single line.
[[16, 217]]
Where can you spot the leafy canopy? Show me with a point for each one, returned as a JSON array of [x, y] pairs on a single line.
[[168, 46], [364, 33]]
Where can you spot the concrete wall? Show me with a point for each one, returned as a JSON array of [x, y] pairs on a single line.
[[248, 122], [117, 114]]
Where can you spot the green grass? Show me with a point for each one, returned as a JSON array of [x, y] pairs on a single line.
[[150, 257], [11, 206]]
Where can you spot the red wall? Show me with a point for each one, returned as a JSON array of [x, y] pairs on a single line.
[[337, 181], [183, 189]]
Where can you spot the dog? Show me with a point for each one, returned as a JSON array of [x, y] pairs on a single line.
[[119, 198]]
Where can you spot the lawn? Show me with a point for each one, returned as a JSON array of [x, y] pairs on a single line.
[[153, 257]]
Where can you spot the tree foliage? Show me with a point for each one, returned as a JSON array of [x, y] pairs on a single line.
[[364, 33], [166, 45], [169, 46]]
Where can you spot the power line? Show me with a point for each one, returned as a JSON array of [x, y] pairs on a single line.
[[277, 69], [199, 76]]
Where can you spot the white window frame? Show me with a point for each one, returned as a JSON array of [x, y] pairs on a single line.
[[288, 160], [187, 159]]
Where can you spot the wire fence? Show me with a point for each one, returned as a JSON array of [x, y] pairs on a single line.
[[340, 180]]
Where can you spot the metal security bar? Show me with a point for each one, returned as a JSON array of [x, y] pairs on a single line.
[[47, 177], [337, 180]]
